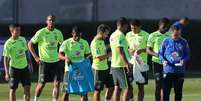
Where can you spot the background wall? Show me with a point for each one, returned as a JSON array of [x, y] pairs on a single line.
[[68, 11]]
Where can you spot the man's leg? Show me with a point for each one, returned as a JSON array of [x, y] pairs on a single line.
[[140, 92], [178, 88], [84, 98], [65, 96], [97, 95], [12, 95], [128, 94], [56, 89], [26, 93], [109, 93], [38, 90], [26, 83], [13, 83], [167, 85], [158, 89], [117, 93], [42, 76], [99, 84], [157, 71]]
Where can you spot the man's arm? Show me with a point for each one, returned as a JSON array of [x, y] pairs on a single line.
[[123, 57], [63, 57], [186, 57], [151, 52], [103, 57], [161, 54], [32, 50], [6, 66]]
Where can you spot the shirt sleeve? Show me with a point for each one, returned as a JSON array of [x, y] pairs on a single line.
[[87, 49], [61, 39], [120, 41], [25, 44], [96, 50], [6, 50], [161, 52], [150, 41], [63, 47], [186, 56], [37, 37]]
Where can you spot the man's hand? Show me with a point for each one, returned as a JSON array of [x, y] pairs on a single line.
[[37, 59], [67, 60], [182, 62], [140, 51], [129, 69], [7, 77], [165, 63]]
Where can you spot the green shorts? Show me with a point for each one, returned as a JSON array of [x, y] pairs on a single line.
[[103, 78], [19, 75], [121, 78], [48, 72]]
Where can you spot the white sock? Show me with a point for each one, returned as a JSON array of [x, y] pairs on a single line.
[[55, 99], [107, 100], [131, 99], [36, 98]]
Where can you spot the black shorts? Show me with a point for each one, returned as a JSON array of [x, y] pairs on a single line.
[[121, 77], [145, 75], [48, 72], [103, 77], [19, 75], [158, 72]]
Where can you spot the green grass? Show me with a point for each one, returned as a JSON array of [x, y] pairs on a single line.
[[192, 92]]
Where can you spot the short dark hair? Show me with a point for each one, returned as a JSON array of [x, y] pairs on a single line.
[[163, 20], [76, 29], [122, 21], [51, 15], [175, 27], [103, 28], [14, 25], [185, 18], [135, 22]]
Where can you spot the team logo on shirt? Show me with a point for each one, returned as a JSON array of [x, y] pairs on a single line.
[[81, 46], [55, 37], [77, 75], [175, 56], [77, 53]]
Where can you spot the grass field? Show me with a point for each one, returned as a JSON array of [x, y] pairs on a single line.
[[192, 92]]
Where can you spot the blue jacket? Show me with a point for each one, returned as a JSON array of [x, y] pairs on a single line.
[[173, 51]]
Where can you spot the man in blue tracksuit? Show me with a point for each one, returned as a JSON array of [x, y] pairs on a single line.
[[174, 53]]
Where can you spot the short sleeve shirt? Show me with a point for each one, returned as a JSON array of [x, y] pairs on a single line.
[[75, 50], [48, 44], [15, 50], [138, 41], [155, 41], [117, 39], [98, 48]]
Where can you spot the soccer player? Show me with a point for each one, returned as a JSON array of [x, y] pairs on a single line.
[[137, 41], [100, 64], [153, 45], [16, 63], [174, 53], [121, 71], [73, 50], [48, 39]]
